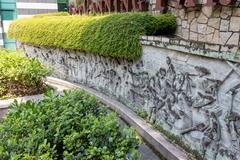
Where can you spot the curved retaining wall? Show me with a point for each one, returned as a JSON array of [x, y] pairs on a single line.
[[194, 97]]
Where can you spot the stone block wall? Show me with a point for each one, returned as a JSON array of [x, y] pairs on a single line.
[[220, 25], [210, 50], [194, 97], [215, 24]]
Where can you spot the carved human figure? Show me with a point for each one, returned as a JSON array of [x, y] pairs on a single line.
[[178, 85], [94, 68], [171, 73], [82, 69], [157, 93], [237, 129], [233, 92], [233, 123], [202, 97], [158, 104], [112, 79], [179, 81], [126, 80], [188, 86], [140, 81], [211, 135], [165, 93], [183, 102], [232, 118]]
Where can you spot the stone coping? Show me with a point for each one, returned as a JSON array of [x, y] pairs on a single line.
[[224, 52], [4, 104]]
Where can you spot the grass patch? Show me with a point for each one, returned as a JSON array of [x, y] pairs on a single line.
[[20, 76], [113, 35]]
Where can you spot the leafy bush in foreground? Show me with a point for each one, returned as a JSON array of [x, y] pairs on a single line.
[[72, 126], [20, 75], [114, 35]]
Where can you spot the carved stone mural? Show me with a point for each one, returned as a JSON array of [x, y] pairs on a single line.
[[193, 97]]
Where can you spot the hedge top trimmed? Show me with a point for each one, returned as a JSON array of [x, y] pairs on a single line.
[[51, 14], [114, 35]]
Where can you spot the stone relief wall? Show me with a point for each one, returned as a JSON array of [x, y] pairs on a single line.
[[194, 97]]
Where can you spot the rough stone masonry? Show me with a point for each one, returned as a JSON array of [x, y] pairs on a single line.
[[216, 24], [196, 98]]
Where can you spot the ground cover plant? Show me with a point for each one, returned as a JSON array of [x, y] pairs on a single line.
[[115, 35], [19, 75], [70, 126]]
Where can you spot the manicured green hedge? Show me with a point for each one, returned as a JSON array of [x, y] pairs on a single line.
[[73, 126], [167, 23], [114, 35], [20, 75]]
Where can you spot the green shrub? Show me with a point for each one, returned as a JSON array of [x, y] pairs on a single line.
[[114, 35], [20, 75], [51, 14], [71, 126], [167, 23]]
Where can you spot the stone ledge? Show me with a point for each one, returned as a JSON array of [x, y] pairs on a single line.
[[4, 104], [225, 52], [153, 137]]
